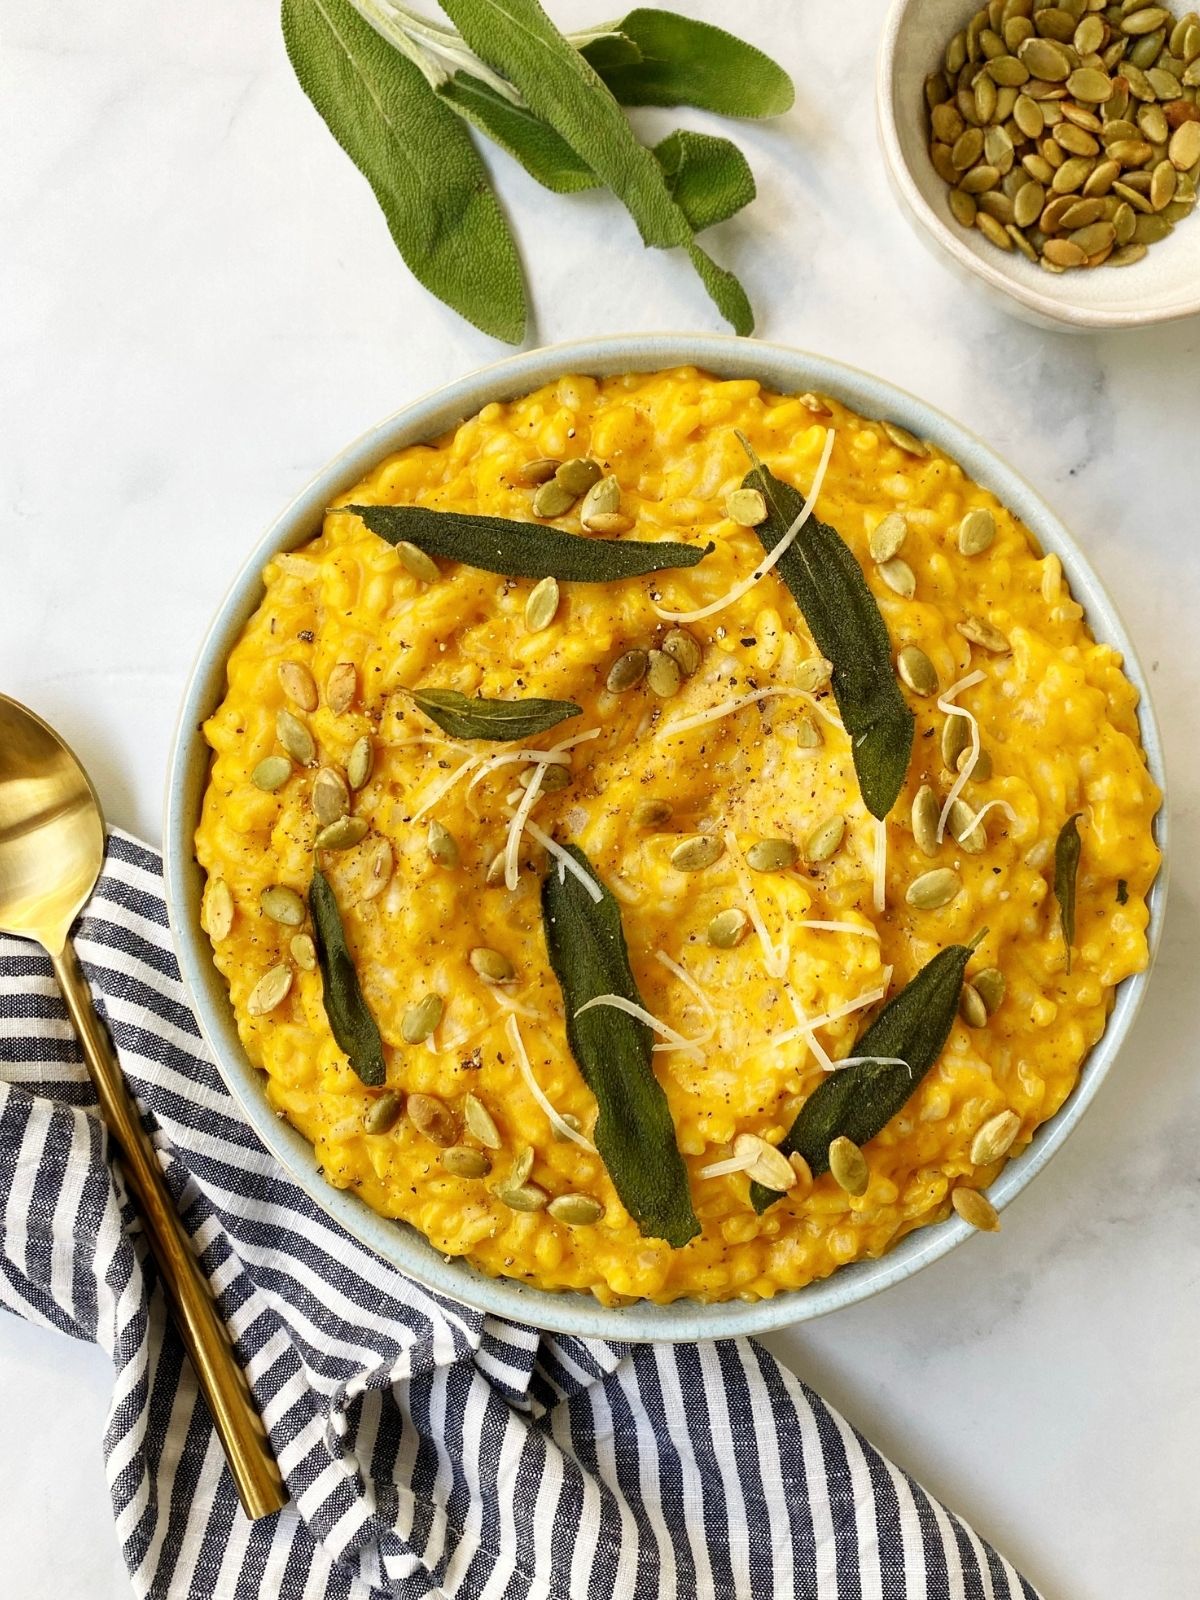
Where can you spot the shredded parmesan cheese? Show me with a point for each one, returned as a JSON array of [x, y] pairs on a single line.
[[879, 874], [861, 1061], [440, 790], [726, 708], [720, 1169], [945, 703], [864, 930], [675, 1040], [982, 812], [776, 553], [516, 827], [775, 959], [804, 1031], [807, 1026], [566, 862], [558, 1122], [694, 988]]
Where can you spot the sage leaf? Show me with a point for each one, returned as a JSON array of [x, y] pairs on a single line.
[[1067, 850], [524, 549], [543, 153], [682, 62], [828, 585], [517, 38], [464, 718], [418, 158], [354, 1028], [708, 178], [634, 1132], [860, 1101]]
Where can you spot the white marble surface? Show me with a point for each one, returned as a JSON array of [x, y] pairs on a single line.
[[202, 305]]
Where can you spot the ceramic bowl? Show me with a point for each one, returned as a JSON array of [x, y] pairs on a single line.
[[780, 369], [1162, 287]]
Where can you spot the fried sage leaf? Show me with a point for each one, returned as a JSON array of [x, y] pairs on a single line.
[[427, 175], [464, 718], [1067, 850], [634, 1132], [524, 549], [828, 585], [518, 39], [858, 1102], [350, 1019], [682, 62], [708, 177]]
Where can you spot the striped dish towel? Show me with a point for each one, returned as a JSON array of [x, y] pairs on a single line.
[[428, 1449]]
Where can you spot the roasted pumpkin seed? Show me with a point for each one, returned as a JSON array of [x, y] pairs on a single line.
[[283, 905], [383, 1113], [916, 670], [603, 499], [848, 1166], [541, 607], [421, 1019], [552, 499], [970, 838], [823, 841], [576, 1210], [526, 1197], [995, 1138], [295, 738], [976, 531], [218, 910], [975, 1208], [904, 440], [433, 1118], [696, 853], [934, 890], [270, 991], [746, 507], [442, 846], [971, 1007], [684, 648], [886, 538], [330, 798], [651, 813], [341, 686], [360, 763], [982, 633], [491, 965], [925, 813], [481, 1125], [627, 671], [298, 684], [899, 577], [990, 986], [771, 855], [728, 928], [578, 474], [464, 1162], [663, 675], [343, 834], [304, 952], [538, 471], [417, 562]]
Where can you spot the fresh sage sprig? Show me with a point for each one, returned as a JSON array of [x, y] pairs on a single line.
[[464, 718], [517, 549], [858, 1102], [354, 1028], [1067, 850], [418, 158], [828, 585], [549, 101], [634, 1132]]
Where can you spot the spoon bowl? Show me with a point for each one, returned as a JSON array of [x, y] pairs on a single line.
[[51, 854]]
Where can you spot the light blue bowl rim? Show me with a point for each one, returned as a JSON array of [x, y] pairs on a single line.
[[777, 367]]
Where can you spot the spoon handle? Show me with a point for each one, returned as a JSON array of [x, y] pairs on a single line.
[[247, 1448]]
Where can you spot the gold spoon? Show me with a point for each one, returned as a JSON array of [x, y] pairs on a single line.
[[51, 853]]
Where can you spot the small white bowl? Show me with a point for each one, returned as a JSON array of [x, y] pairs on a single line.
[[1162, 287]]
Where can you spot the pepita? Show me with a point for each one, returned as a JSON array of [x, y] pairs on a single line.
[[491, 965], [899, 576], [298, 684], [527, 1197], [746, 507], [651, 813], [848, 1166], [442, 845], [271, 773], [685, 648], [481, 1125], [521, 1167], [556, 776], [552, 499], [464, 1162], [572, 1122], [295, 738], [283, 905], [613, 522], [330, 798], [771, 855], [218, 910], [990, 987], [728, 928], [934, 890], [1090, 85], [383, 1113], [770, 1167], [663, 675], [1184, 148], [627, 671], [982, 769], [541, 607], [976, 531], [578, 474], [887, 537], [813, 674], [696, 853], [421, 1019], [904, 440], [974, 1208], [982, 633], [538, 471], [823, 841], [380, 863], [956, 739], [416, 562], [576, 1210], [343, 834], [995, 1138], [916, 670], [341, 687], [603, 499], [304, 952], [270, 991], [971, 839], [433, 1118], [925, 813], [1162, 185], [360, 763], [1045, 59], [971, 1007]]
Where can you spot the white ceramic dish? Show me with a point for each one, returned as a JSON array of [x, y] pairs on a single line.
[[1162, 287], [781, 369]]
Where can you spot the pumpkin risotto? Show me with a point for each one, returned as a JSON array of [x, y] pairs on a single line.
[[547, 880]]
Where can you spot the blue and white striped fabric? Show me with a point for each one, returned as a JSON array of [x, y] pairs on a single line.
[[428, 1449]]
